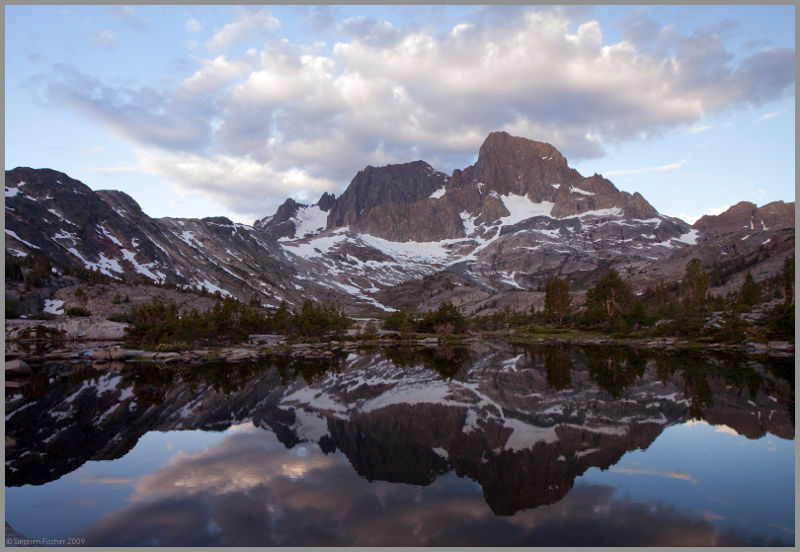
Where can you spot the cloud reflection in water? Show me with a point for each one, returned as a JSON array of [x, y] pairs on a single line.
[[250, 490]]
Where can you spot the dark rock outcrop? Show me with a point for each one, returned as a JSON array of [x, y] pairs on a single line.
[[280, 224], [512, 165], [395, 202], [326, 201], [284, 223], [394, 187], [746, 216]]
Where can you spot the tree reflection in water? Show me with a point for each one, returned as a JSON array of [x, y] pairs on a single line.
[[447, 361], [520, 425]]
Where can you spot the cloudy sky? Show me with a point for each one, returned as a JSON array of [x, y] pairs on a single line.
[[222, 110]]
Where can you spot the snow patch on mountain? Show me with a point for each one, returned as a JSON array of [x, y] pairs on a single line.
[[109, 235], [53, 306], [441, 452], [411, 251], [211, 287], [60, 217], [511, 363], [509, 279], [309, 220], [12, 191], [574, 190], [64, 235], [522, 208], [315, 247], [14, 235], [689, 238], [609, 212], [468, 222], [188, 237], [105, 265], [140, 268], [359, 294]]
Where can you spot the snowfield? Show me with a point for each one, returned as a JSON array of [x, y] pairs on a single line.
[[309, 220]]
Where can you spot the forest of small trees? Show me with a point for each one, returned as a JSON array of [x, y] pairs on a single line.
[[683, 308], [445, 320], [679, 308], [228, 321]]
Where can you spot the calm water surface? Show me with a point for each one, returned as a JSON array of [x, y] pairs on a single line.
[[487, 446]]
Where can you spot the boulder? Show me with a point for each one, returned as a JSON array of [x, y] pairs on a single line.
[[17, 367], [108, 355]]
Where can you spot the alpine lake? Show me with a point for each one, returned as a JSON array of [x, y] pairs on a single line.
[[480, 444]]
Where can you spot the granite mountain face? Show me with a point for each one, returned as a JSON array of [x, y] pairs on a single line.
[[401, 235]]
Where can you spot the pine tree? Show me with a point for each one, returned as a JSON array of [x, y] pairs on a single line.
[[664, 303], [557, 300], [694, 287], [750, 293], [81, 296], [610, 296], [399, 321], [733, 328], [781, 324], [281, 319], [446, 319]]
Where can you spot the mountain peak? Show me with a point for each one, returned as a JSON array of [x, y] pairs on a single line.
[[510, 165], [326, 201], [279, 225], [122, 203], [413, 201], [745, 215], [501, 142], [391, 186], [294, 220]]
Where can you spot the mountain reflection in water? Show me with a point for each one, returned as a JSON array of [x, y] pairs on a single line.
[[491, 445]]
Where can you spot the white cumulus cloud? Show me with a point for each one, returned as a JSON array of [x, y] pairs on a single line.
[[249, 25], [697, 129], [106, 39], [766, 117], [285, 118], [193, 26]]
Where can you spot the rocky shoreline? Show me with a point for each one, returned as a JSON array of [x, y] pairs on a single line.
[[100, 343], [89, 328], [774, 348]]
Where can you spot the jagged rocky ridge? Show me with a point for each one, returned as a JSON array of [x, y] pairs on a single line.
[[517, 217], [50, 214], [523, 424]]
